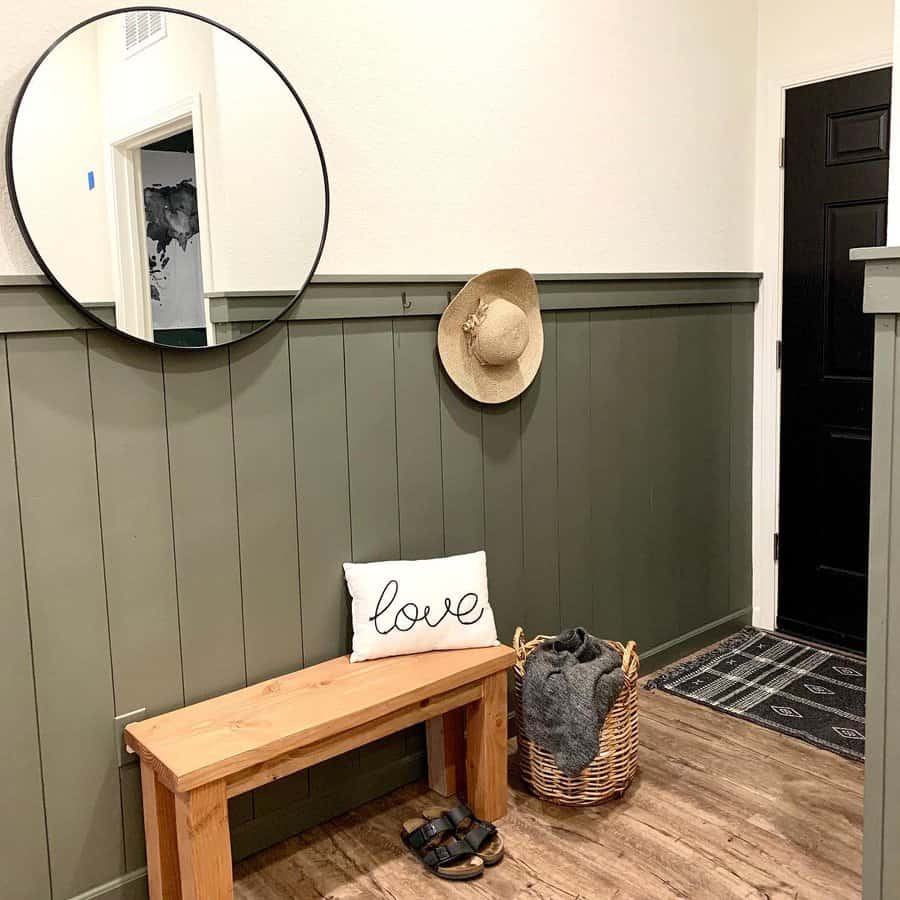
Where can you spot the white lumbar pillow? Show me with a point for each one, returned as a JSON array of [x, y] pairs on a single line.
[[410, 606]]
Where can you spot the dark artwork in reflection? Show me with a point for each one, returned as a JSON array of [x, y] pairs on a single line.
[[171, 214]]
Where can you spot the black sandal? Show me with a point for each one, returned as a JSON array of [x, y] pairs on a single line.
[[435, 843], [481, 836]]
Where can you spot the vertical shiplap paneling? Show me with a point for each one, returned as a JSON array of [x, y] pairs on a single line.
[[717, 478], [686, 430], [462, 461], [618, 474], [652, 419], [372, 446], [417, 377], [502, 426], [205, 519], [23, 840], [740, 512], [372, 439], [136, 511], [540, 501], [652, 613], [267, 512], [67, 598], [204, 512], [704, 365], [132, 816], [267, 503], [419, 480], [320, 447], [573, 339], [323, 491]]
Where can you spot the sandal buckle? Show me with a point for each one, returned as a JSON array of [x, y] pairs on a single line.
[[433, 828]]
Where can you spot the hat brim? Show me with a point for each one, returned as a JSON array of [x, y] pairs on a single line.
[[491, 384]]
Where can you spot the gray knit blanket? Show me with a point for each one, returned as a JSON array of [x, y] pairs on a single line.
[[571, 682]]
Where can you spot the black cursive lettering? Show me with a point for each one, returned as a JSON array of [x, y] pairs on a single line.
[[408, 615]]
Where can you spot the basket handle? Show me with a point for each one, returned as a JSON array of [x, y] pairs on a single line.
[[630, 649], [519, 643]]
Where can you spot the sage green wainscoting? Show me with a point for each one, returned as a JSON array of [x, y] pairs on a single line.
[[881, 820], [174, 523]]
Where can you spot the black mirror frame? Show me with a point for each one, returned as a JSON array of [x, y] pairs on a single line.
[[20, 220]]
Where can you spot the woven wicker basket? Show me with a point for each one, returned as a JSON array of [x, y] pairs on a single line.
[[614, 767]]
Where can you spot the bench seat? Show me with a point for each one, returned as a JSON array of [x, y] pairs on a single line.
[[193, 759]]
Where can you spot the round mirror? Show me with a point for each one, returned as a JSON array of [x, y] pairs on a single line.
[[167, 177]]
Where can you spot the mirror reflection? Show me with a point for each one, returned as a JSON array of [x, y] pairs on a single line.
[[167, 178]]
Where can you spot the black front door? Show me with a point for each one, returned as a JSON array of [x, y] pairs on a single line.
[[835, 198]]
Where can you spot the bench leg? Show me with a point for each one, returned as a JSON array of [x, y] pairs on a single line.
[[204, 845], [446, 737], [163, 877], [486, 750]]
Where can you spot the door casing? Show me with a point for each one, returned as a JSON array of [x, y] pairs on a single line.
[[126, 210]]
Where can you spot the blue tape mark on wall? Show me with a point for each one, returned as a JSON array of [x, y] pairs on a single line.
[[91, 180]]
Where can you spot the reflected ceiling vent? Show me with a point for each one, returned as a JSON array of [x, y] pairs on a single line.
[[143, 27]]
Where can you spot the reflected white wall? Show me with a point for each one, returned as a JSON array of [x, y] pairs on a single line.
[[269, 176], [263, 183], [58, 141]]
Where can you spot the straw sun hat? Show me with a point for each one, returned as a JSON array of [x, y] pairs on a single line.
[[490, 337]]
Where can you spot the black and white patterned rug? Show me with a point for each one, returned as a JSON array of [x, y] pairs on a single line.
[[806, 692]]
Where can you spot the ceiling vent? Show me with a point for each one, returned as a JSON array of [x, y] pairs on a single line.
[[143, 27]]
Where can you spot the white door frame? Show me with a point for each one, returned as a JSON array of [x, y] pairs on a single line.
[[126, 209], [767, 328]]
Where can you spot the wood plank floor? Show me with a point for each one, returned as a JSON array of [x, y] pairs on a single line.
[[721, 808]]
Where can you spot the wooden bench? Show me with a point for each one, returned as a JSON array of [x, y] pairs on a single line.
[[193, 759]]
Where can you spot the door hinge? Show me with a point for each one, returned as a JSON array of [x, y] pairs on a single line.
[[775, 546], [778, 352], [781, 154]]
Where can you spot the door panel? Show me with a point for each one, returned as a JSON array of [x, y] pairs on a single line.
[[858, 136], [848, 332], [844, 478], [836, 171]]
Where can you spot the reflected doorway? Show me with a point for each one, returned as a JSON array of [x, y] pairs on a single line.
[[171, 214]]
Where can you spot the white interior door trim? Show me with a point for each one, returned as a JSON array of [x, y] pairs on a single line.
[[129, 253], [767, 327]]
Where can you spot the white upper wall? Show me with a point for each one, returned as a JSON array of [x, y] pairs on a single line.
[[577, 136], [802, 41], [799, 35]]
